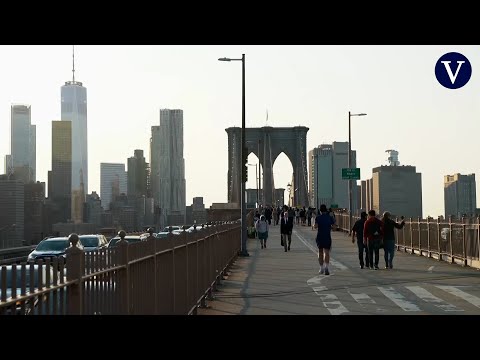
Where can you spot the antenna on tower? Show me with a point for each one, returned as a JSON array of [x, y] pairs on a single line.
[[73, 69], [393, 158]]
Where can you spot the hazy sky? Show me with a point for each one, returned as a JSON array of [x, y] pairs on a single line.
[[433, 128]]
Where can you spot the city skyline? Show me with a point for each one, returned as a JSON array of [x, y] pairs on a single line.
[[432, 128]]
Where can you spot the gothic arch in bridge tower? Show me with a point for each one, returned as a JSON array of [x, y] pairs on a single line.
[[267, 143]]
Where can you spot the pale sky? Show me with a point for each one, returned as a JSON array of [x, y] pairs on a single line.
[[433, 128]]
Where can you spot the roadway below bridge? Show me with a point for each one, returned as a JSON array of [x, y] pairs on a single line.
[[274, 282]]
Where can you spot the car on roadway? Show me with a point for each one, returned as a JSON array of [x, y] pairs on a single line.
[[51, 248]]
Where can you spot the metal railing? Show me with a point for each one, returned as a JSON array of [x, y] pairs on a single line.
[[174, 275], [455, 242]]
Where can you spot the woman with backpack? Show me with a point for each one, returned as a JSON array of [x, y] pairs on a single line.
[[261, 226]]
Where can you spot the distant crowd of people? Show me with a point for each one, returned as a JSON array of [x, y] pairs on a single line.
[[371, 233]]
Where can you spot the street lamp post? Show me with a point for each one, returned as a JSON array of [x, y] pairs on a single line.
[[316, 180], [259, 176], [243, 248], [350, 198]]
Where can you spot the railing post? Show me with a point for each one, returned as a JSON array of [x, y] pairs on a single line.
[[464, 241], [438, 240], [411, 237], [429, 253], [75, 270], [419, 236], [452, 261], [153, 247], [478, 237], [123, 278]]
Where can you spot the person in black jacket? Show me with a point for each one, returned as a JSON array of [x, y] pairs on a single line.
[[358, 230], [389, 238], [286, 227]]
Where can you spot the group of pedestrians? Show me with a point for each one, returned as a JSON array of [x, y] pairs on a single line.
[[286, 219], [372, 234]]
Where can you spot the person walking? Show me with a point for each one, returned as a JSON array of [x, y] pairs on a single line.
[[372, 238], [286, 227], [261, 227], [150, 232], [324, 223], [389, 226], [358, 231]]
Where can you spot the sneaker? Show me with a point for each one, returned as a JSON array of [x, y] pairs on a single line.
[[361, 266], [262, 246], [391, 266], [327, 272], [321, 271], [376, 267]]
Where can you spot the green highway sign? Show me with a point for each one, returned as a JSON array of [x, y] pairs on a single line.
[[351, 174]]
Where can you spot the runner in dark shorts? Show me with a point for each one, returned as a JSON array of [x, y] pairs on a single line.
[[324, 223]]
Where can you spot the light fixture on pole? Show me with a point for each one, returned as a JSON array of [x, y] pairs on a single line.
[[350, 199], [243, 247]]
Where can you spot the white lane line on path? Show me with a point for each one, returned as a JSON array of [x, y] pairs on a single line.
[[315, 280], [428, 297], [318, 289], [330, 301], [333, 262], [363, 298], [461, 294], [430, 269], [398, 299]]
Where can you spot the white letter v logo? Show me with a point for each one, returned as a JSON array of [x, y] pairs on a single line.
[[449, 71]]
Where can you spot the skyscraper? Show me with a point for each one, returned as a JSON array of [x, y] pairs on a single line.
[[8, 165], [155, 164], [137, 174], [325, 177], [397, 189], [12, 213], [460, 195], [172, 199], [93, 209], [23, 143], [74, 109], [113, 182], [34, 194], [60, 179]]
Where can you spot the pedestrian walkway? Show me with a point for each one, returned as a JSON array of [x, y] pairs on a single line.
[[274, 282]]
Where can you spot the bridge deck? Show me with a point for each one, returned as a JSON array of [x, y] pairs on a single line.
[[274, 282]]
